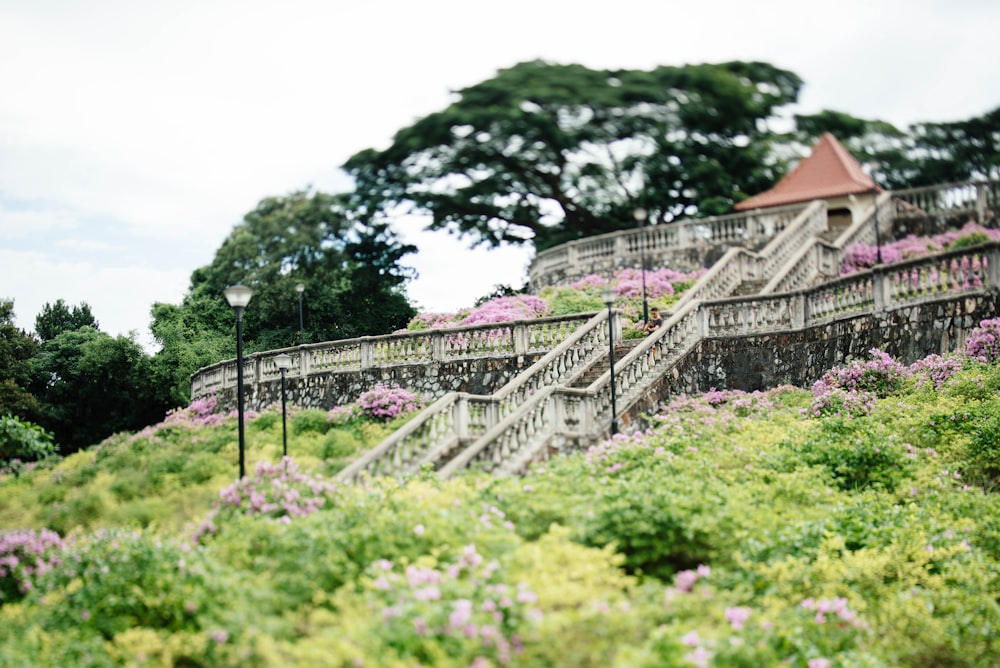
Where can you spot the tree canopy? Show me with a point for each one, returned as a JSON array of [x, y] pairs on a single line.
[[16, 350], [545, 153], [54, 319], [349, 266]]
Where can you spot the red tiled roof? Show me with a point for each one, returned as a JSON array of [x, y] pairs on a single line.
[[828, 171]]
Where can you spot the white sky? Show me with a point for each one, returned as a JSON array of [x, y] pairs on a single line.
[[134, 135]]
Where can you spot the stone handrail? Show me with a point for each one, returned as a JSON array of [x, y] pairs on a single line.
[[458, 416], [512, 443], [978, 198], [519, 337], [626, 247], [559, 411], [862, 231], [739, 264], [817, 257]]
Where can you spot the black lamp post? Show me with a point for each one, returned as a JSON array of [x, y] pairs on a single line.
[[284, 363], [640, 218], [609, 299], [238, 297], [300, 288]]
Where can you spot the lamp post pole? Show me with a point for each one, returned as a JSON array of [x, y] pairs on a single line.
[[878, 234], [609, 299], [284, 363], [300, 288], [640, 218], [238, 297]]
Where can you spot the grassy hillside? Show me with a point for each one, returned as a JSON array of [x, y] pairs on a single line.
[[851, 525]]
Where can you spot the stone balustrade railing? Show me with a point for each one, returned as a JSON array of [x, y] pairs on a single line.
[[459, 417], [739, 264], [560, 412], [625, 248], [521, 337], [975, 199]]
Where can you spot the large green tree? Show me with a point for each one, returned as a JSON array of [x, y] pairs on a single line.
[[545, 153], [958, 150], [16, 350], [350, 268], [54, 319], [92, 385]]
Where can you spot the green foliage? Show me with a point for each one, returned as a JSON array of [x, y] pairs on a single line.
[[54, 319], [350, 267], [566, 301], [16, 350], [23, 441], [660, 527], [856, 454], [92, 385], [737, 532], [310, 420], [522, 157], [967, 240]]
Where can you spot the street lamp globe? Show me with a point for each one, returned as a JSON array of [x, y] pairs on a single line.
[[238, 296]]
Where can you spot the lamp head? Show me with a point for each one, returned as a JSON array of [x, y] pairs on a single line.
[[238, 296], [283, 361], [300, 288], [609, 296], [640, 215]]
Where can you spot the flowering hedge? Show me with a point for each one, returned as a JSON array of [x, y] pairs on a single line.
[[387, 402], [24, 556], [859, 257], [983, 343]]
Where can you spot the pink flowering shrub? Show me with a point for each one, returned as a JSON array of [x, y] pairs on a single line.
[[464, 608], [279, 491], [805, 635], [983, 343], [860, 257], [24, 556], [851, 390], [935, 369], [505, 309], [385, 403]]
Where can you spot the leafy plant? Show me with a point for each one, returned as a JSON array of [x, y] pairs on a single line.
[[22, 442]]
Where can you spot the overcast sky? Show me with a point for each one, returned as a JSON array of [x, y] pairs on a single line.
[[135, 135]]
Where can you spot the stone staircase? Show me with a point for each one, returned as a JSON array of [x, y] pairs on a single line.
[[538, 414], [566, 399], [602, 365]]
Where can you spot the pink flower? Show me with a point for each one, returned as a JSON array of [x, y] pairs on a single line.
[[738, 616]]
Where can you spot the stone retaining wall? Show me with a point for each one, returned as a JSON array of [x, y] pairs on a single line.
[[328, 390], [800, 357]]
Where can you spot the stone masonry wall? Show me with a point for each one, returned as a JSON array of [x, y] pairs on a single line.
[[800, 357], [328, 390]]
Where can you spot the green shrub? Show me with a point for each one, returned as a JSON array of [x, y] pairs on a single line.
[[971, 239], [309, 420], [22, 441], [130, 485], [661, 527], [855, 454], [339, 444]]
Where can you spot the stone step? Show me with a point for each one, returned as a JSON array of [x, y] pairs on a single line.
[[600, 367]]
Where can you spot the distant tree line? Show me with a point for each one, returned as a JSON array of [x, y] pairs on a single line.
[[538, 155]]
